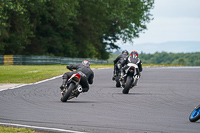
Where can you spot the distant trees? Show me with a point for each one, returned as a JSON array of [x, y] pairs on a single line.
[[185, 59], [190, 59], [72, 28]]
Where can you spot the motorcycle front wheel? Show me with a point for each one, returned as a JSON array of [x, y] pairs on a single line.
[[129, 81], [195, 115], [68, 93]]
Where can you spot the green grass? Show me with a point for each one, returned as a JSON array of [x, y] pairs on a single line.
[[33, 73], [15, 130]]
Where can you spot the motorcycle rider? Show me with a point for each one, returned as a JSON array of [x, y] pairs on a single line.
[[119, 59], [84, 70], [133, 58]]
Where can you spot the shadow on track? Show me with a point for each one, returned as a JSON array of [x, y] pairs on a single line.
[[132, 94]]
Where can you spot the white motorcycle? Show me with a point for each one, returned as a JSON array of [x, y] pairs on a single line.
[[130, 78]]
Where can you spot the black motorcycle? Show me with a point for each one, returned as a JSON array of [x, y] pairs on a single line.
[[130, 78], [72, 88], [118, 75]]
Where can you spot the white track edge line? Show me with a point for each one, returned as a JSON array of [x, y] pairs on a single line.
[[40, 81], [32, 83], [44, 128]]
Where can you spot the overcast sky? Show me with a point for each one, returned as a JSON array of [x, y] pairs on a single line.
[[174, 20]]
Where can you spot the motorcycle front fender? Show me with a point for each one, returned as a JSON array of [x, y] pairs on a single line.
[[131, 74]]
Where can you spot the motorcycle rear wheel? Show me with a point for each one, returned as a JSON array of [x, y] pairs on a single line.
[[68, 93], [129, 81], [195, 115]]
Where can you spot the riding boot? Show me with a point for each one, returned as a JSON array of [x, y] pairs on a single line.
[[114, 75], [85, 89], [113, 78], [63, 84]]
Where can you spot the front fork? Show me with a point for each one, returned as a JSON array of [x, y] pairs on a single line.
[[135, 78]]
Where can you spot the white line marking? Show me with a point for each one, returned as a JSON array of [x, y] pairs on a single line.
[[14, 87], [43, 128], [40, 81], [32, 83], [48, 79]]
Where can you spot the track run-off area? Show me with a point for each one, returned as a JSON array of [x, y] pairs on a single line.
[[160, 103]]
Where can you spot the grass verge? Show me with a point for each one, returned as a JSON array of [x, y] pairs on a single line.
[[33, 73], [15, 130]]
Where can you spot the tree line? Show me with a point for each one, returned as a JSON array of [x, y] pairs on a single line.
[[70, 28], [186, 59]]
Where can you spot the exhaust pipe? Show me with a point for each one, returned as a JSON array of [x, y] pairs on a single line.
[[79, 88]]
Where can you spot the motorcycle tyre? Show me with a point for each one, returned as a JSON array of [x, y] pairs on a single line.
[[195, 115], [68, 93], [128, 85]]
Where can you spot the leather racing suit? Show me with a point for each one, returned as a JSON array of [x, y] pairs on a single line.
[[86, 73]]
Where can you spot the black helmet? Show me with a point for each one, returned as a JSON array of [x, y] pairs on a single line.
[[134, 53], [125, 52], [86, 63]]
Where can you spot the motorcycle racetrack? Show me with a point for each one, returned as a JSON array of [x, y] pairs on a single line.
[[160, 103]]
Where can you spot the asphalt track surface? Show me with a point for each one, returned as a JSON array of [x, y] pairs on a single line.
[[161, 103]]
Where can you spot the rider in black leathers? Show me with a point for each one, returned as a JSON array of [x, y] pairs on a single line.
[[119, 59], [133, 58], [84, 70]]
